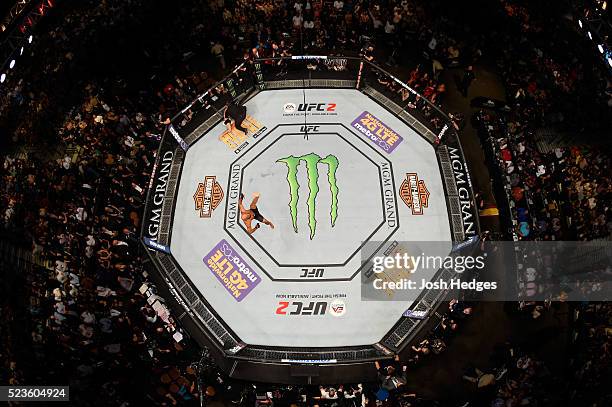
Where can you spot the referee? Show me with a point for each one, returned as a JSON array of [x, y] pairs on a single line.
[[235, 113]]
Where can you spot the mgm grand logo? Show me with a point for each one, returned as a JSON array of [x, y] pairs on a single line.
[[208, 196], [414, 193], [312, 162]]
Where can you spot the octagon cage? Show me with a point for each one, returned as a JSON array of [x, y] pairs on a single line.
[[196, 315]]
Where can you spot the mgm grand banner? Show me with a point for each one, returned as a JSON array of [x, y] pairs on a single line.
[[463, 183], [157, 189]]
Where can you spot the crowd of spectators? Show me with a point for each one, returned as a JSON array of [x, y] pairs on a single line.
[[553, 81], [82, 212], [561, 194], [550, 188], [335, 27], [555, 192], [80, 206], [517, 378], [593, 355], [393, 376], [423, 82]]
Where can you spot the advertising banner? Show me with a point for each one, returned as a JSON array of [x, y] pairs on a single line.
[[178, 138], [231, 270], [156, 246], [377, 132], [157, 191]]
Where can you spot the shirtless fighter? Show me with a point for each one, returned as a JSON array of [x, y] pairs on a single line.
[[248, 215]]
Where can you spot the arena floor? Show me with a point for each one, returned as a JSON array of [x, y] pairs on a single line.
[[359, 180]]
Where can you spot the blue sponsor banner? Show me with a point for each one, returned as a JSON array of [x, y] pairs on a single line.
[[416, 314], [156, 246], [178, 138]]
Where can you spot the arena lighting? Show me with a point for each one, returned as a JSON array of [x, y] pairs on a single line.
[[30, 38], [590, 35], [21, 51], [610, 61], [600, 48], [12, 64], [2, 78], [580, 23]]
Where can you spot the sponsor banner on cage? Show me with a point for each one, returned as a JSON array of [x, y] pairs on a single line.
[[310, 361], [377, 132], [414, 314], [156, 246], [178, 138], [231, 270], [158, 185]]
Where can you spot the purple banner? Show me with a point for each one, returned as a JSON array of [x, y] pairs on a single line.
[[377, 132], [231, 270]]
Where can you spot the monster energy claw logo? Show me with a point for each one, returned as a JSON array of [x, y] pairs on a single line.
[[311, 160]]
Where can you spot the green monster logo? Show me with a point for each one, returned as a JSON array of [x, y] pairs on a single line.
[[311, 160]]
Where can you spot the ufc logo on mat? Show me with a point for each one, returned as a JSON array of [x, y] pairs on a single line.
[[309, 129], [312, 273]]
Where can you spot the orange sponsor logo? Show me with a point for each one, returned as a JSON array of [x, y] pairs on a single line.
[[207, 197], [414, 193]]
